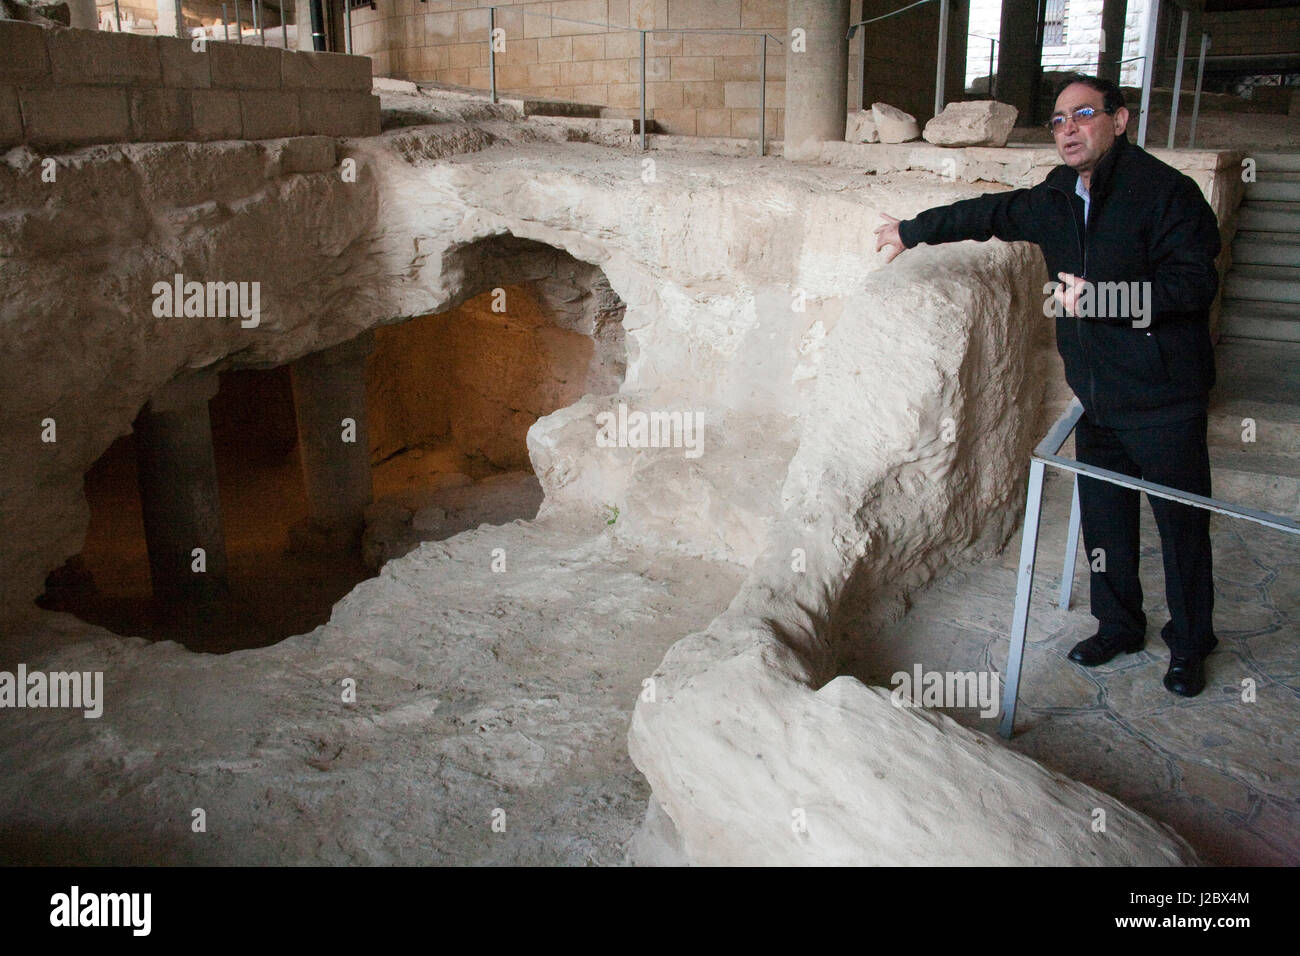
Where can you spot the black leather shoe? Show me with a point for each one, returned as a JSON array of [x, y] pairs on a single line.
[[1099, 648], [1186, 676]]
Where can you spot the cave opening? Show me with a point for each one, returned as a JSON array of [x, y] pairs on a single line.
[[327, 467]]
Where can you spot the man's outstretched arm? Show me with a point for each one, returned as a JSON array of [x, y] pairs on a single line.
[[1006, 216]]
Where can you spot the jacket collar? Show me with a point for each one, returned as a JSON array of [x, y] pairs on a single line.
[[1064, 177]]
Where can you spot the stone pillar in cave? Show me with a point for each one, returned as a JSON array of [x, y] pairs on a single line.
[[329, 396], [178, 495]]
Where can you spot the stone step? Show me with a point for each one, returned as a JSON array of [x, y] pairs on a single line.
[[596, 125], [1264, 283], [1245, 477], [1259, 381], [1277, 162], [538, 106], [1266, 248], [1258, 372], [526, 105], [1261, 426], [1274, 188], [1268, 321], [629, 113], [1269, 217]]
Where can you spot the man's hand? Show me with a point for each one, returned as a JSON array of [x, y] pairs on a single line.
[[1067, 294], [887, 235]]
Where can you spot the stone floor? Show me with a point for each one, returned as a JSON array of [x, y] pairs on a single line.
[[481, 697], [1221, 770]]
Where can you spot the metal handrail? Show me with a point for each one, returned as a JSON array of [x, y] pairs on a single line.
[[258, 25], [853, 27], [1266, 518], [1047, 452]]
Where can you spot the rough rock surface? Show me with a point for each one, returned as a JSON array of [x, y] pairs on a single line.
[[36, 11], [861, 127], [469, 700], [397, 524], [861, 427], [893, 125], [972, 123]]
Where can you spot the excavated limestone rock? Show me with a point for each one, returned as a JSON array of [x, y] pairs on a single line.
[[893, 125], [861, 128], [856, 427], [972, 123]]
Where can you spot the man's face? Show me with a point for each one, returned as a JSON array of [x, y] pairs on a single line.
[[1080, 145]]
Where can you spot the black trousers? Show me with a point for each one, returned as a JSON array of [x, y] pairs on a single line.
[[1176, 455]]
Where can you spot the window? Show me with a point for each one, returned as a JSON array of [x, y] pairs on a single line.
[[1054, 22]]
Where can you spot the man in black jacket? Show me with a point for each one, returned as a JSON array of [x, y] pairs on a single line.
[[1133, 243]]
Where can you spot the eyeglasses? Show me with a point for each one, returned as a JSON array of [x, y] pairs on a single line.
[[1082, 116]]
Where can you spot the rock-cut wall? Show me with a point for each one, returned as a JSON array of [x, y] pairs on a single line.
[[852, 422]]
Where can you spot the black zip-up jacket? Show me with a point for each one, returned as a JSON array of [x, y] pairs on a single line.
[[1147, 223]]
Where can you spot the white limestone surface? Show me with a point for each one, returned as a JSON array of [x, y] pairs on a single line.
[[894, 125]]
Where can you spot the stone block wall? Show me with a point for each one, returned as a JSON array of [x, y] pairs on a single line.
[[697, 84], [67, 87]]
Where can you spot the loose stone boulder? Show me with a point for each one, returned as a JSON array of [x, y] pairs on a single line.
[[893, 125], [383, 84], [861, 128], [36, 11], [973, 123]]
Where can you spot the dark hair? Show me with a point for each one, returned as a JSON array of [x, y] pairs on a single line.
[[1112, 95]]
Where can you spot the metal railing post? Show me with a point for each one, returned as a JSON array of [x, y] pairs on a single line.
[[942, 56], [492, 53], [643, 146], [347, 20], [1071, 549], [239, 25], [1148, 67], [1196, 101], [1047, 452], [1024, 588], [117, 15], [180, 19], [992, 45], [1178, 80], [862, 68], [762, 99], [225, 21]]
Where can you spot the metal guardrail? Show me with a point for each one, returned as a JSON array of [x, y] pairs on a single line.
[[258, 24], [762, 84], [993, 50], [1048, 453]]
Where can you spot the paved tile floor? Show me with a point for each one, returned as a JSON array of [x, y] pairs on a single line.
[[1221, 770]]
